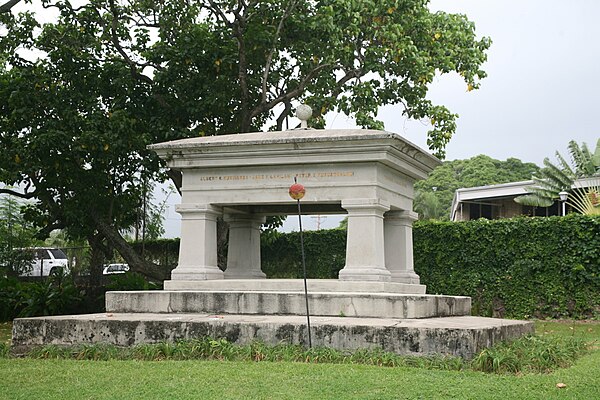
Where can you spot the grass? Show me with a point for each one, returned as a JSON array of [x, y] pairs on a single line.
[[68, 379], [71, 379], [5, 332]]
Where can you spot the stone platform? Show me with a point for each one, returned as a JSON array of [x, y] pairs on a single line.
[[459, 336], [344, 315], [295, 285], [331, 304]]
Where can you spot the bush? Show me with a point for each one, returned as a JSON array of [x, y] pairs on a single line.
[[131, 281], [523, 267], [54, 295], [325, 254]]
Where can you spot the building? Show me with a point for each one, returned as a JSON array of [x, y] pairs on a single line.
[[496, 201]]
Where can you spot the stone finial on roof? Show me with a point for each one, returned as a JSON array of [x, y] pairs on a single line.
[[303, 112]]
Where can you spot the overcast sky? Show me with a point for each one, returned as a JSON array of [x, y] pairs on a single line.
[[542, 85]]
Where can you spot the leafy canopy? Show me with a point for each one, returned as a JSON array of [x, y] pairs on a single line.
[[85, 93]]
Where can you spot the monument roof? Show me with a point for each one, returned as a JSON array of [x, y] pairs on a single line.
[[282, 137], [299, 145]]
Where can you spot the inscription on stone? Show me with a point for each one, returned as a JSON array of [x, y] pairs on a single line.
[[259, 177]]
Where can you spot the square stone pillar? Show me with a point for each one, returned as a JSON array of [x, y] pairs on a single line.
[[198, 245], [243, 252], [365, 250], [399, 246]]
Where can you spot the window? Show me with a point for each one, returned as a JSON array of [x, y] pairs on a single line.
[[477, 211], [58, 253], [42, 254]]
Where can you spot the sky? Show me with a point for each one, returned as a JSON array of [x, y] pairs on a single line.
[[541, 90], [542, 85]]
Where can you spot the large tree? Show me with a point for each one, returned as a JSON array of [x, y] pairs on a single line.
[[83, 95]]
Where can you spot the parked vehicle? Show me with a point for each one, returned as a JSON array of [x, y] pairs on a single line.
[[45, 261], [115, 269]]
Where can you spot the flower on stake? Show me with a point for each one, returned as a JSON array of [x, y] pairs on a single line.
[[297, 191]]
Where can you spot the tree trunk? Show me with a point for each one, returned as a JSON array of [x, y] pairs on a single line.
[[94, 290], [134, 260]]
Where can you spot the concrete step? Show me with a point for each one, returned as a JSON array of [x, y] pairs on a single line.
[[365, 305], [458, 336], [295, 285]]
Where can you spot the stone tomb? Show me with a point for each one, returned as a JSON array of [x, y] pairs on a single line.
[[378, 299], [366, 174]]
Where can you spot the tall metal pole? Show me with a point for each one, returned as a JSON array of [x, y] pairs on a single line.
[[297, 192]]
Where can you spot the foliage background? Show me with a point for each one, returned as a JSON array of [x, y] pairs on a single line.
[[515, 268], [519, 268]]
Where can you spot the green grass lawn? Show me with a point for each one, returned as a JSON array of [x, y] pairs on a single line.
[[68, 379]]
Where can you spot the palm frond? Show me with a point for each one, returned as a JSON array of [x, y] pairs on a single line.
[[586, 200], [558, 176], [582, 158], [548, 185], [542, 192], [564, 165], [533, 201], [596, 158]]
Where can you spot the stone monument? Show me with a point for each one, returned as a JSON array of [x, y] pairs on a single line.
[[377, 300]]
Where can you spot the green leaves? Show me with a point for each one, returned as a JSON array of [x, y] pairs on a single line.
[[554, 179], [522, 267]]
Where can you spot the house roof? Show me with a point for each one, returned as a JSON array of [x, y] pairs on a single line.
[[511, 189]]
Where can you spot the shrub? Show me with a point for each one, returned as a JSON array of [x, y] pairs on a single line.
[[131, 281], [522, 267], [53, 296]]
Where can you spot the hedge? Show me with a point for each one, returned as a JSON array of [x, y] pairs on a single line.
[[520, 268], [325, 254], [523, 267]]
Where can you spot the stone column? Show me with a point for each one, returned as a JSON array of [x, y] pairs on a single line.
[[399, 246], [198, 245], [243, 252], [365, 250]]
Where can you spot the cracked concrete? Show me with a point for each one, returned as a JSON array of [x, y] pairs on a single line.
[[460, 336]]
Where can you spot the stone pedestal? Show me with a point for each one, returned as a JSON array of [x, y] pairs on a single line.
[[243, 253], [399, 246], [365, 242], [198, 245]]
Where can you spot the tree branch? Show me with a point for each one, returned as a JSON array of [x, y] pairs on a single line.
[[6, 7], [291, 94], [288, 10], [28, 195], [115, 40], [176, 177], [220, 14], [284, 113]]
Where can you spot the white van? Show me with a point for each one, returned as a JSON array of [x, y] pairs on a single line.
[[46, 261]]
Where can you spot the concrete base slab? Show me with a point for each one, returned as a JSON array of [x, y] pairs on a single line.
[[459, 336], [296, 285], [368, 305]]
